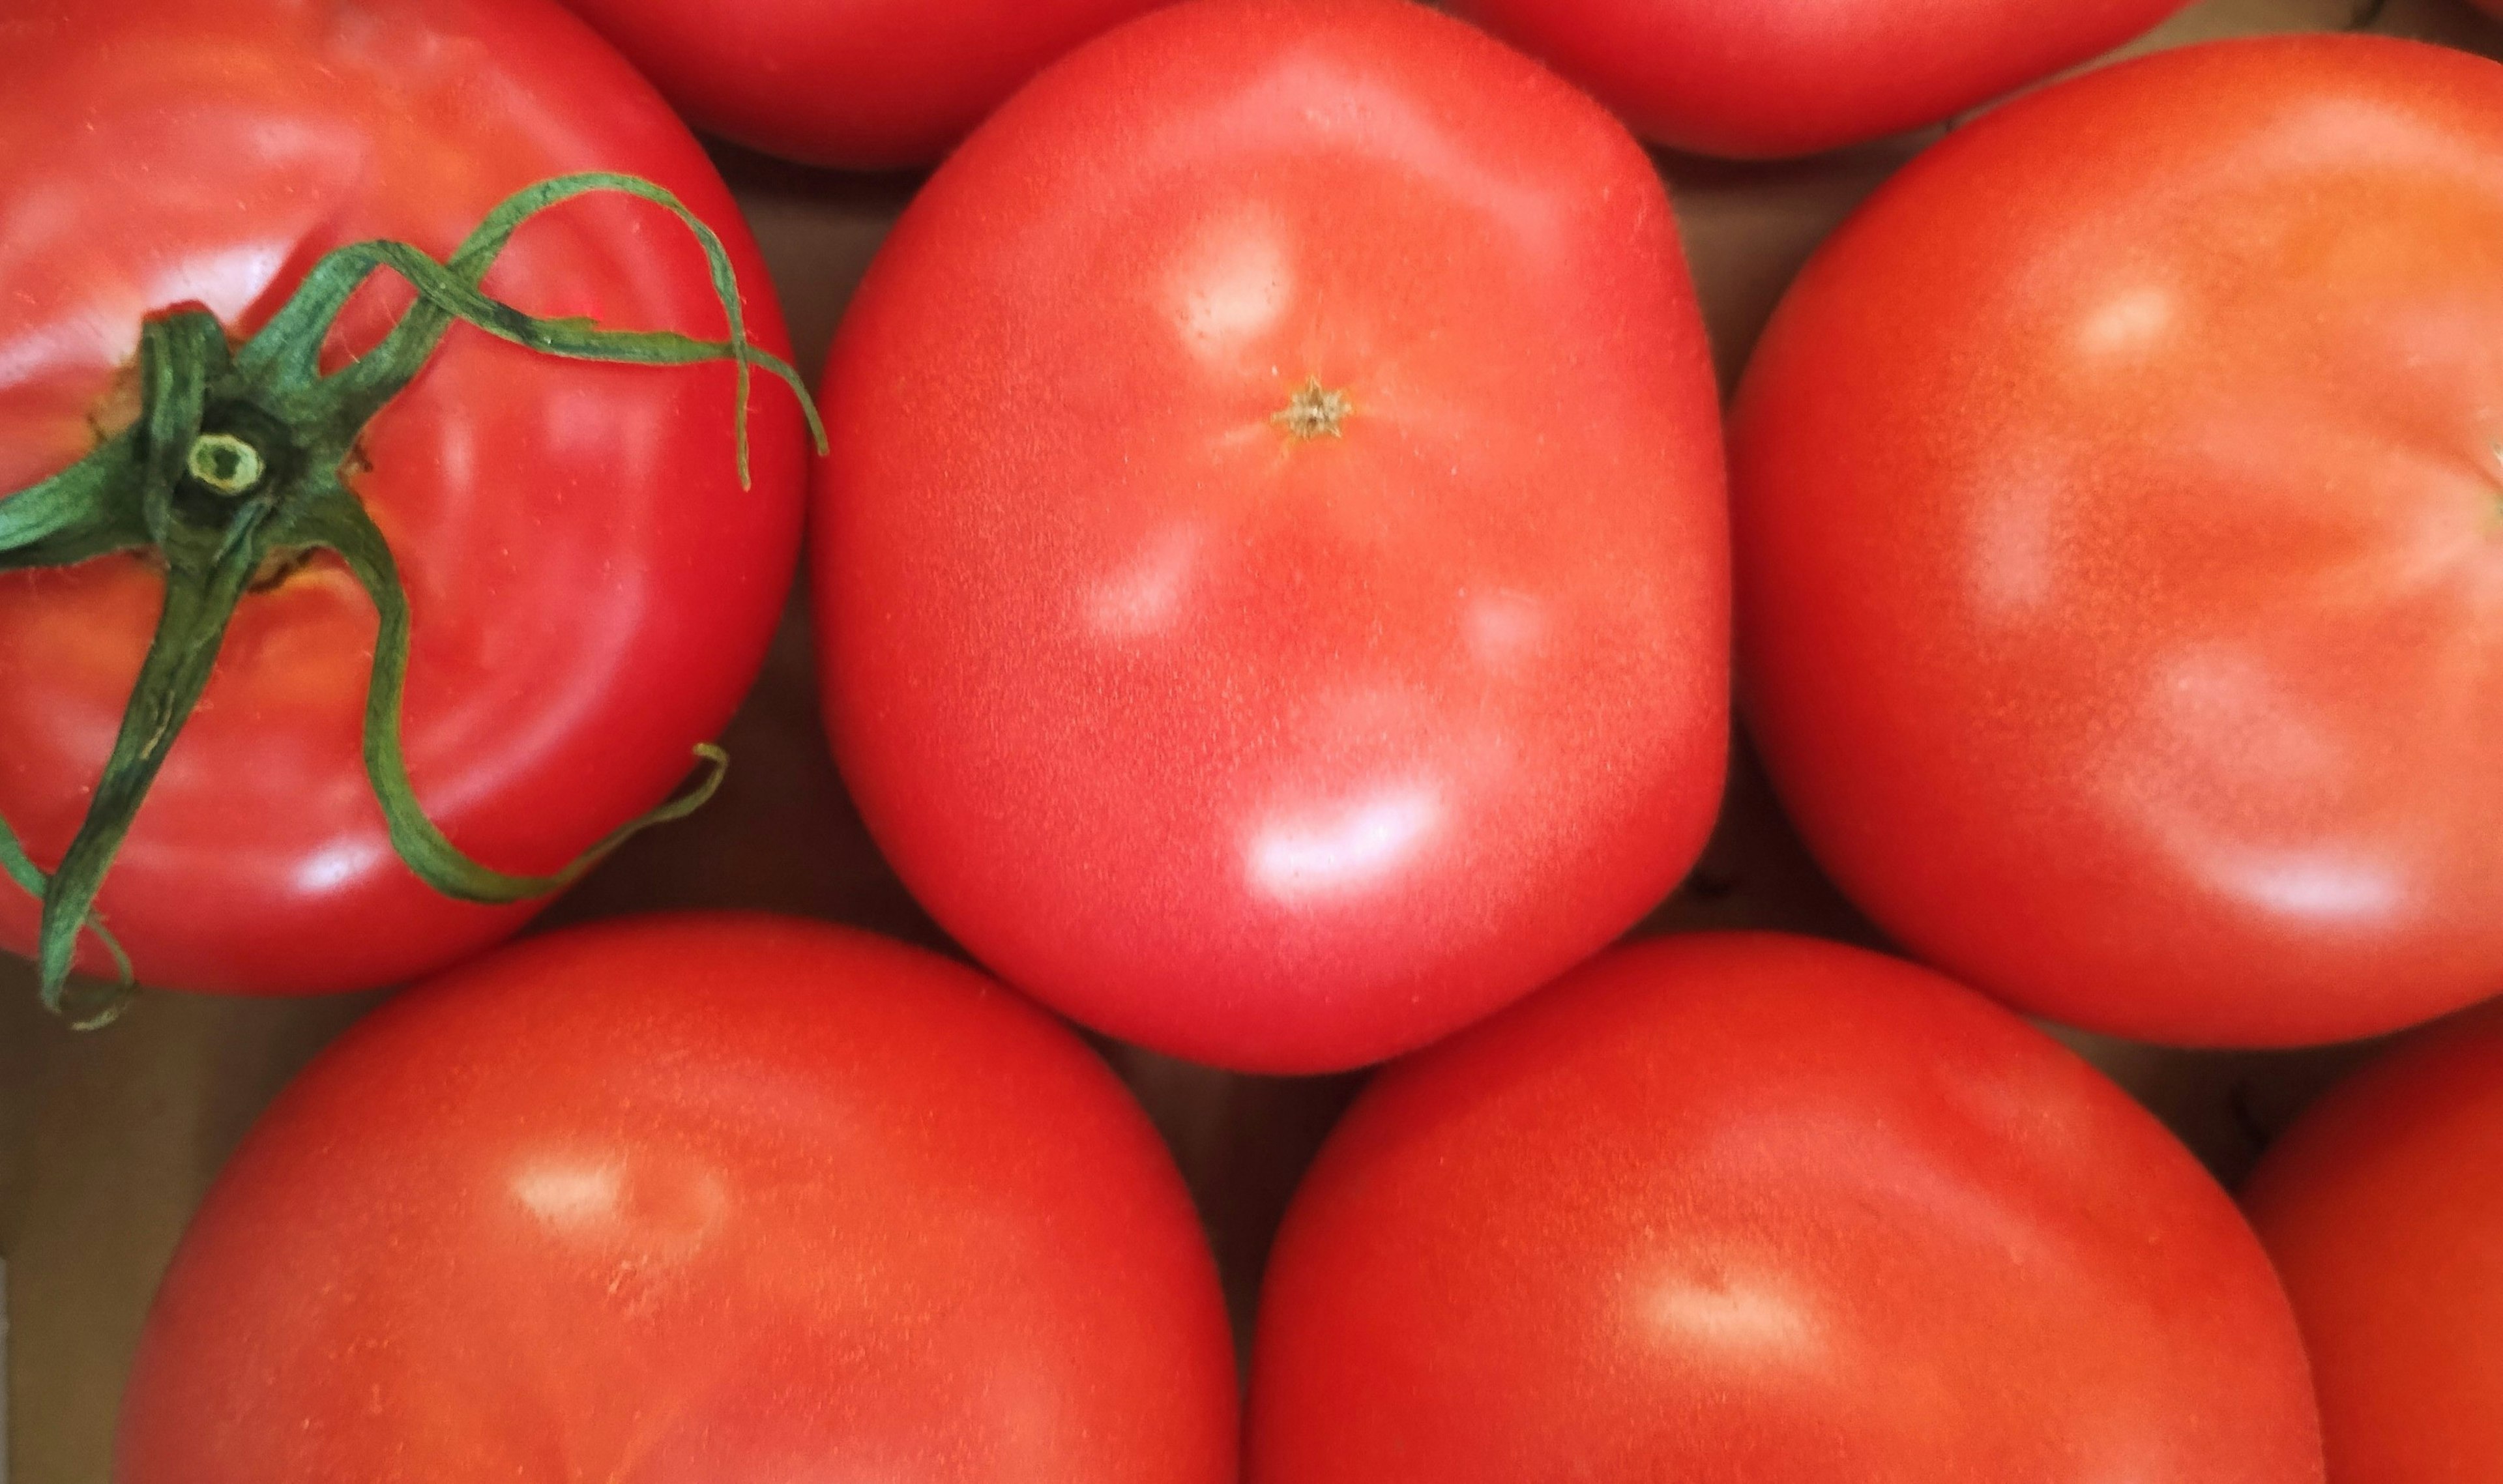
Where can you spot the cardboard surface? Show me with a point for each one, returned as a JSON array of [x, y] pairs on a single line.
[[107, 1141]]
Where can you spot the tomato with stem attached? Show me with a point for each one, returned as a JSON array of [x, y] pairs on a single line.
[[297, 571]]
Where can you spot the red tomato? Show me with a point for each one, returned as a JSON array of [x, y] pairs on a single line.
[[2120, 574], [692, 1199], [1272, 578], [1726, 1208], [1763, 78], [2385, 1218], [591, 589], [860, 82]]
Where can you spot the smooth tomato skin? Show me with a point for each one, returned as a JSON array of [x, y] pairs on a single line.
[[1731, 1208], [2120, 572], [1765, 78], [592, 590], [851, 83], [684, 1200], [1273, 753], [2383, 1212]]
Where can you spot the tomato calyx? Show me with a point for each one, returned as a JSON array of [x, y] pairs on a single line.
[[235, 469]]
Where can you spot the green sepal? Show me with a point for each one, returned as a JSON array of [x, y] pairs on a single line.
[[107, 1001], [340, 525], [87, 507], [448, 293]]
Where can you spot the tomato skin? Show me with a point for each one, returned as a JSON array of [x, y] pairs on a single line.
[[2382, 1210], [1746, 1207], [1771, 77], [854, 83], [593, 592], [1275, 754], [692, 1199], [2119, 564]]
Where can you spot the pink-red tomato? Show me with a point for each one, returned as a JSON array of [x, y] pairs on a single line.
[[687, 1202], [859, 83], [1762, 1210], [2120, 553], [592, 590], [1272, 577], [2384, 1212], [1754, 78]]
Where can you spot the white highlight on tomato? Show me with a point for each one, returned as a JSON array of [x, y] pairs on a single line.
[[1506, 629], [2129, 320], [1735, 1311], [2196, 799], [570, 1195], [1302, 856], [653, 1206], [1144, 597], [337, 864], [1232, 285]]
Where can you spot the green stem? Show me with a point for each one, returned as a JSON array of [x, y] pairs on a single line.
[[192, 625], [237, 456]]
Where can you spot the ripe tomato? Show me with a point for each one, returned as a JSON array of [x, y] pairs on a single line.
[[1272, 579], [1758, 1208], [697, 1198], [592, 590], [2384, 1213], [2120, 570], [1767, 78], [860, 82]]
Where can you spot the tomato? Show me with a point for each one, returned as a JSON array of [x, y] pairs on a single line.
[[1748, 1207], [1768, 77], [591, 589], [859, 83], [2383, 1212], [2120, 560], [692, 1199], [1272, 577]]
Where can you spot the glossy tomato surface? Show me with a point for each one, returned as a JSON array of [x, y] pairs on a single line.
[[857, 82], [685, 1201], [1765, 78], [2384, 1212], [1764, 1209], [592, 590], [1272, 579], [2120, 548]]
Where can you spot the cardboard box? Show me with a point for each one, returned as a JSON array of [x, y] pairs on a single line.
[[107, 1141]]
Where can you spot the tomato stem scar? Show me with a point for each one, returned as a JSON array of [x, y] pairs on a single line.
[[239, 462], [1314, 411]]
